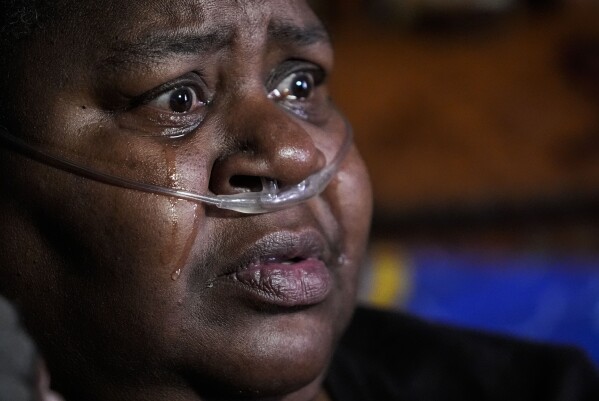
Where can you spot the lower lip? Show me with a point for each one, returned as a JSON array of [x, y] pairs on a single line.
[[298, 284]]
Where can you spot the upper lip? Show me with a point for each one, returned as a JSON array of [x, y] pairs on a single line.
[[281, 246]]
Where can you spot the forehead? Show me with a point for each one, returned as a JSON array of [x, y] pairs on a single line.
[[132, 18], [125, 32]]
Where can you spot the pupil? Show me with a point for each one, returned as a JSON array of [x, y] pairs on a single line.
[[181, 100], [302, 87]]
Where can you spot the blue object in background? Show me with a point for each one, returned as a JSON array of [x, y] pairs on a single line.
[[537, 296]]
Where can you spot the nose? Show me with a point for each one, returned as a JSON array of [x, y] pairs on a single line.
[[265, 142]]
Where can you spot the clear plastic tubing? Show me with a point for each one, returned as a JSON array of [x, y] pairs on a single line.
[[269, 199]]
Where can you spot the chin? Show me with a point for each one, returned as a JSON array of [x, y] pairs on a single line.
[[275, 357]]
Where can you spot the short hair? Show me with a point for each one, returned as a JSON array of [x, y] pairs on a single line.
[[18, 18]]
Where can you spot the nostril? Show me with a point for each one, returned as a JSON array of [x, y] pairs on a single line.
[[246, 183]]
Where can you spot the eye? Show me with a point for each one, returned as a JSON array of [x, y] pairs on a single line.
[[296, 86], [173, 109], [179, 100]]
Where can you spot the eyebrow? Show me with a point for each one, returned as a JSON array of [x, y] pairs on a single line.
[[287, 33], [162, 45]]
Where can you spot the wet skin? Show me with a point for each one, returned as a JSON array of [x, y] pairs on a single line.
[[137, 296]]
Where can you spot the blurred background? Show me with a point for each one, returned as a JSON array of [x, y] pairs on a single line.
[[479, 121]]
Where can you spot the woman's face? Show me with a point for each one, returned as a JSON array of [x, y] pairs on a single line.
[[126, 289]]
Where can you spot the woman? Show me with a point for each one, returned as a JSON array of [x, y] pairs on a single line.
[[135, 292]]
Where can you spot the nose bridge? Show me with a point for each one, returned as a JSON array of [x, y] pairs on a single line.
[[266, 141]]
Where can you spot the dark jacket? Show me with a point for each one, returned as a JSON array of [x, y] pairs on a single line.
[[390, 356]]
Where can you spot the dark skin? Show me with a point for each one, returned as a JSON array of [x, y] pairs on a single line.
[[128, 293]]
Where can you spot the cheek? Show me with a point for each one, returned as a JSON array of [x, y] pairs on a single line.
[[350, 200], [116, 234], [105, 258], [357, 201], [354, 199], [149, 236]]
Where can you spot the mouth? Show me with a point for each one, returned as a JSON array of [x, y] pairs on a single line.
[[283, 269]]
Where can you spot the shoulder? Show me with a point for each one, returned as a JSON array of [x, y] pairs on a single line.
[[414, 359]]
